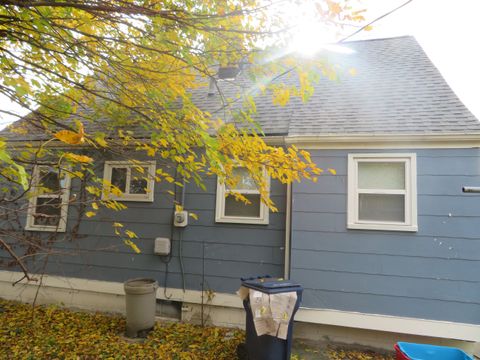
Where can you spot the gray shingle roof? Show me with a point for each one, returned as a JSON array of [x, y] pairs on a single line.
[[274, 119], [396, 90]]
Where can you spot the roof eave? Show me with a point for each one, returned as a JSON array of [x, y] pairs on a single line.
[[385, 141]]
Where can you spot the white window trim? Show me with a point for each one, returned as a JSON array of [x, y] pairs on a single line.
[[32, 204], [410, 192], [107, 176], [220, 216]]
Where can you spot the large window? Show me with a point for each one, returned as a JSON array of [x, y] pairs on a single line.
[[125, 181], [232, 211], [382, 192], [48, 205]]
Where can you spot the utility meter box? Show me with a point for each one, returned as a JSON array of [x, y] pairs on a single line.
[[162, 246], [180, 218]]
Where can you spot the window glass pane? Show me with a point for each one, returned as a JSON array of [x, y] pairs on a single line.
[[119, 178], [376, 207], [50, 180], [245, 181], [381, 175], [239, 208], [47, 211], [138, 181]]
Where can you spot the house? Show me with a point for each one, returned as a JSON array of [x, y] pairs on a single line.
[[386, 249]]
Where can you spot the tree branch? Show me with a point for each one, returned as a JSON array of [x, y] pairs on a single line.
[[18, 260]]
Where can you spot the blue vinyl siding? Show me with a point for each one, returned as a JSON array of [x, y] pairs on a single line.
[[432, 273], [218, 254]]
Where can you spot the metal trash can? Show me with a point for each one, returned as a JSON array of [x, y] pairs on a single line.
[[140, 298], [267, 347]]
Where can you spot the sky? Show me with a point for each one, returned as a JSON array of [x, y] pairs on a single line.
[[447, 30]]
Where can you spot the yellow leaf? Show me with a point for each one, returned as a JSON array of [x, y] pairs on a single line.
[[332, 171], [95, 206], [78, 158], [116, 191], [93, 190], [116, 224], [151, 151], [90, 213], [334, 7], [131, 234], [70, 137], [100, 140], [368, 28], [178, 208], [193, 215], [132, 245], [352, 71]]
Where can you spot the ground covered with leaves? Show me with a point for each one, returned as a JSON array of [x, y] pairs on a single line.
[[51, 332], [324, 350], [54, 333]]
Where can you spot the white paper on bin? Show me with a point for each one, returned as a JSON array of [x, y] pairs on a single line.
[[271, 313]]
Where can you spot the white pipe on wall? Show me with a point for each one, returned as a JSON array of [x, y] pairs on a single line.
[[288, 225]]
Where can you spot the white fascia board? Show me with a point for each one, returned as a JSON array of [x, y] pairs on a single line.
[[395, 324], [385, 141]]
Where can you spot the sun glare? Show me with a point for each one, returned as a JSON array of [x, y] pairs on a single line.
[[311, 38]]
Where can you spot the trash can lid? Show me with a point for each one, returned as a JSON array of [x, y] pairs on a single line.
[[140, 282], [272, 285], [140, 286]]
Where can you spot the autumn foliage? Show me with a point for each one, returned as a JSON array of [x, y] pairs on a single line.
[[115, 78]]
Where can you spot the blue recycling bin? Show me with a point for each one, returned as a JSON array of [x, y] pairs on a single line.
[[414, 351], [266, 347]]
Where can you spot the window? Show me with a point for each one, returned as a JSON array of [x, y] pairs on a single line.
[[382, 192], [126, 181], [231, 211], [48, 206]]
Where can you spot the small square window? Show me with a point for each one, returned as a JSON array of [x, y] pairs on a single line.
[[382, 192], [48, 205], [229, 210], [126, 181]]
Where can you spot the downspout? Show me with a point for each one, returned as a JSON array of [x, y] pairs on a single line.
[[288, 231], [180, 239]]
